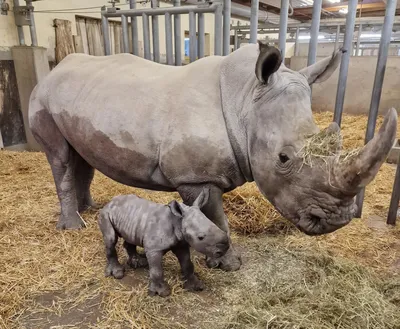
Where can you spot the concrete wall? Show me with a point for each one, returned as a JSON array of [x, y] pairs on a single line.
[[359, 85]]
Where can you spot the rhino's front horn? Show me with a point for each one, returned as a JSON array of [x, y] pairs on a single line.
[[361, 169]]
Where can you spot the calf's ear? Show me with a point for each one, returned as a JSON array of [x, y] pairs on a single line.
[[176, 208], [268, 62]]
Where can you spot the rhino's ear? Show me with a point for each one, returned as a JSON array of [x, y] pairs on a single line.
[[202, 199], [268, 62], [322, 70], [176, 208]]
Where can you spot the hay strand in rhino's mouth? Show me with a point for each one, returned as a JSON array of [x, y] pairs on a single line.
[[325, 144]]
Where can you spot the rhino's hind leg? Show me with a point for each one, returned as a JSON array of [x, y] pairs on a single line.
[[62, 159], [84, 174], [135, 260], [231, 261], [110, 238]]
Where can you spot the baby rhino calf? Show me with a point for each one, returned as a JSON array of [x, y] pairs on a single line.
[[159, 228]]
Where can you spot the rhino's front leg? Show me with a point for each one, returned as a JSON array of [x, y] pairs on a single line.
[[214, 210], [192, 282], [157, 284]]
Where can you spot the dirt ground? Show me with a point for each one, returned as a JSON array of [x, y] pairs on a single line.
[[50, 279]]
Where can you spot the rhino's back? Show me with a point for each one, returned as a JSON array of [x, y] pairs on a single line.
[[142, 123]]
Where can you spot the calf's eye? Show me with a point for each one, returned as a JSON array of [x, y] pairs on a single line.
[[200, 237], [283, 157]]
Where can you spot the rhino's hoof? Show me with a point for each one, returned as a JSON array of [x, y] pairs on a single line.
[[231, 261], [116, 271], [88, 205], [194, 284], [160, 289], [138, 262], [70, 223]]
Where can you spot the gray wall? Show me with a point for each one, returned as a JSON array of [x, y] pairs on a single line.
[[359, 85]]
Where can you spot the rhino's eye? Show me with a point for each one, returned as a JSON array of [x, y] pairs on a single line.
[[283, 157], [200, 237]]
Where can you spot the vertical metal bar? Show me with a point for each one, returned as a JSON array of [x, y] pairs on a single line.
[[254, 21], [192, 36], [218, 31], [344, 65], [177, 36], [168, 38], [227, 27], [378, 82], [358, 39], [316, 17], [125, 39], [235, 38], [337, 38], [32, 26], [283, 19], [146, 36], [21, 36], [201, 35], [155, 30], [134, 27], [106, 35], [394, 201], [296, 43]]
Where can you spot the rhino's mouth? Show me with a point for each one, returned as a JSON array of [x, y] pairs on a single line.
[[316, 221]]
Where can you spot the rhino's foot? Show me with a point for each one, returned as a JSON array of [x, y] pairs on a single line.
[[161, 289], [193, 283], [115, 270], [138, 261], [70, 223], [231, 261]]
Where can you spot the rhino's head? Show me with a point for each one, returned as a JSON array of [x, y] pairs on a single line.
[[318, 199]]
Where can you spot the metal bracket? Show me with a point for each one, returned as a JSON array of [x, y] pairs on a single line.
[[22, 15]]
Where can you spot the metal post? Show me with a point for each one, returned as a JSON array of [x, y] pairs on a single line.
[[32, 26], [358, 39], [218, 31], [201, 36], [192, 36], [168, 38], [254, 21], [146, 36], [21, 36], [316, 17], [378, 82], [283, 19], [394, 201], [337, 38], [155, 30], [106, 35], [227, 27], [135, 37], [125, 39], [235, 38], [296, 43], [177, 35], [344, 65]]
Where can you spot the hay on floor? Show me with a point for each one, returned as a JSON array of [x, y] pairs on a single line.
[[346, 279]]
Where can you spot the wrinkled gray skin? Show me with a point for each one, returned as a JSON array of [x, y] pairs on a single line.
[[159, 229], [218, 122]]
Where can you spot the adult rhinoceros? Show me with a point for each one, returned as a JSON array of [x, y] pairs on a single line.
[[220, 122]]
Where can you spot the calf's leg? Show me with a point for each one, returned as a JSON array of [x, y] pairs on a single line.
[[157, 284], [135, 260], [214, 210], [110, 238], [192, 282]]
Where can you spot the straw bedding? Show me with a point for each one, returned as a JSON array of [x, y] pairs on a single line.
[[347, 279]]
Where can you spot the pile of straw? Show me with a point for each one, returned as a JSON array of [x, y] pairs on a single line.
[[288, 280]]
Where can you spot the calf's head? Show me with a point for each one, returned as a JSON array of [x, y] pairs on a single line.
[[197, 230], [318, 197]]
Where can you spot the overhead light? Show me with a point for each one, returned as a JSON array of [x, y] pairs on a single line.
[[344, 10], [366, 35], [308, 37]]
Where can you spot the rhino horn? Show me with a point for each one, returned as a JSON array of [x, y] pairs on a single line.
[[361, 169]]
